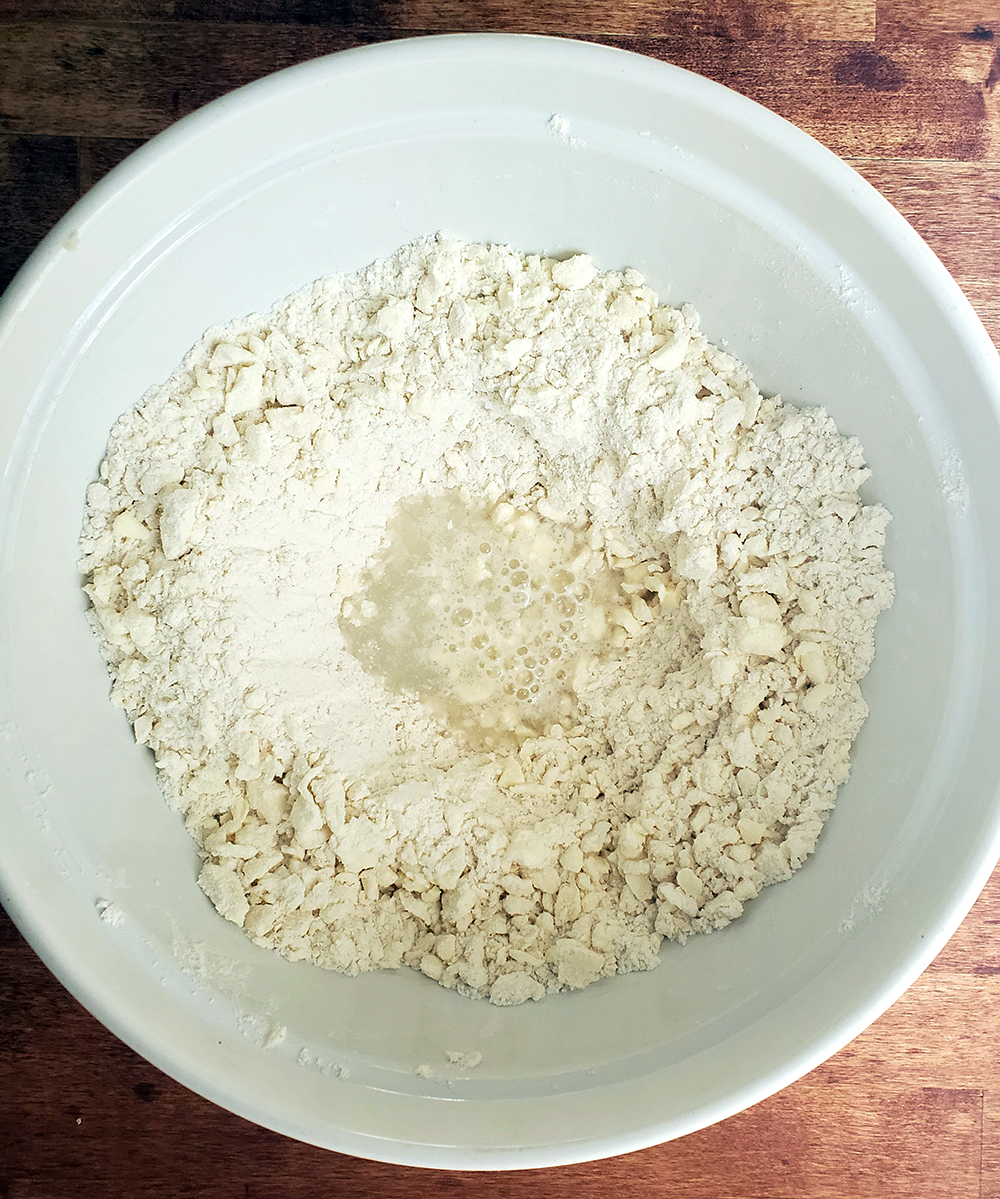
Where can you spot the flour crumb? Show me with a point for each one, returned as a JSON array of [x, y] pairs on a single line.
[[873, 896], [954, 485], [483, 617], [275, 1036], [559, 127], [466, 1061], [221, 972], [110, 913]]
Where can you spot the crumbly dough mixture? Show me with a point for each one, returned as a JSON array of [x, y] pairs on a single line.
[[297, 555]]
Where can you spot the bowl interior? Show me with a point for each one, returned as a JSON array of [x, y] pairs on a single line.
[[798, 270]]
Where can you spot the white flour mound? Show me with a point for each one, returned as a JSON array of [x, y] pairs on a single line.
[[242, 504]]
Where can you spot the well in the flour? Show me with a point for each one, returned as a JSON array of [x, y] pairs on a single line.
[[484, 618], [490, 615]]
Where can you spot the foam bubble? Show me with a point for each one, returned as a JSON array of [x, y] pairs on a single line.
[[500, 595]]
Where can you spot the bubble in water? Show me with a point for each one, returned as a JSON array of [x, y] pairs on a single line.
[[503, 604]]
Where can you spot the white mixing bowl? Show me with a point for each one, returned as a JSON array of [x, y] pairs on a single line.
[[805, 273]]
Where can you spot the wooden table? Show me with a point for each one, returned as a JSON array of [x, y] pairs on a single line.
[[907, 91]]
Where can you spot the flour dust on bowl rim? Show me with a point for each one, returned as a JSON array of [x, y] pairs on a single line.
[[803, 272]]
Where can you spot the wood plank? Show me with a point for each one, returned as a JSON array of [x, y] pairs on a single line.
[[954, 206], [38, 184], [850, 20], [99, 154], [811, 1140], [133, 80], [975, 947], [86, 10], [958, 997], [900, 101], [903, 20], [989, 1181], [749, 20], [942, 1033], [40, 179]]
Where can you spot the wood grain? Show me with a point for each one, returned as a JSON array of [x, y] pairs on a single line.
[[789, 20], [899, 101], [133, 80], [795, 19], [38, 183], [40, 180], [964, 233], [928, 20], [909, 92], [66, 78]]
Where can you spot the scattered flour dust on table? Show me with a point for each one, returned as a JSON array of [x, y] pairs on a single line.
[[484, 618]]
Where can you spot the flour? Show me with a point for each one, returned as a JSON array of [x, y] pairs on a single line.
[[559, 127], [727, 583], [110, 913], [466, 1061]]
